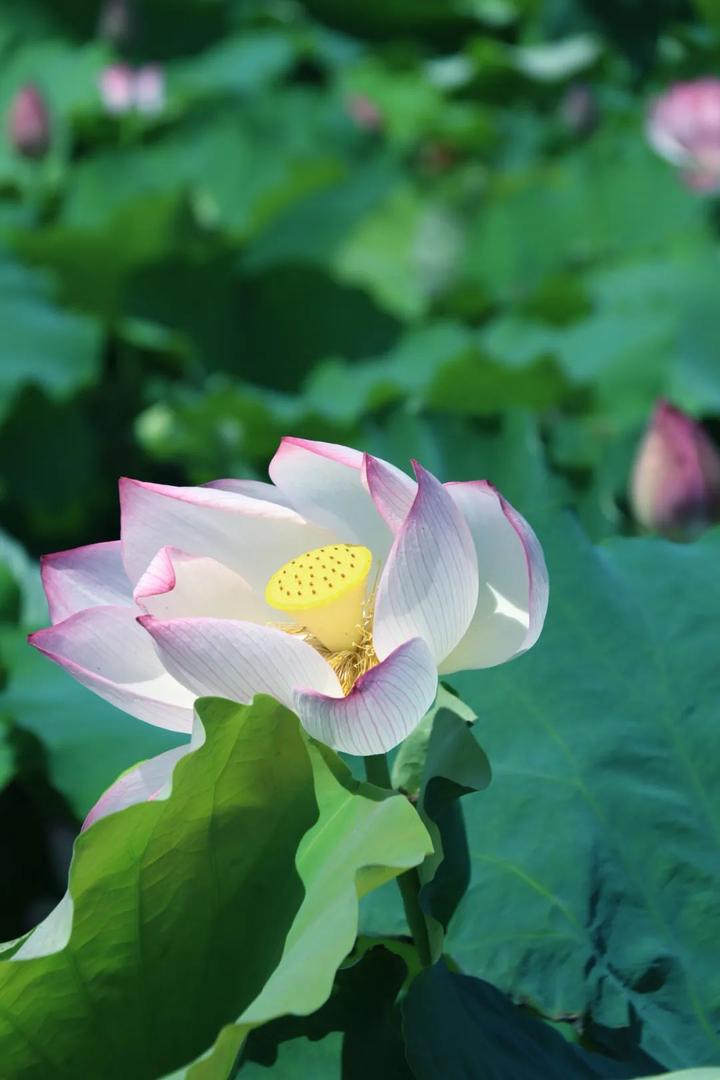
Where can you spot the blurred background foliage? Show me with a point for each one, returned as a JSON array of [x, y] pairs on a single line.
[[428, 228]]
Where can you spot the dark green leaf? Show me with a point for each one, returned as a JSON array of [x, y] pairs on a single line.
[[41, 343], [595, 850], [459, 1027]]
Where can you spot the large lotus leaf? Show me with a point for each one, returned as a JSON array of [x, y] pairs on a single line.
[[241, 168], [313, 228], [440, 365], [385, 253], [93, 260], [457, 1027], [595, 850], [587, 205], [240, 65], [180, 908], [363, 837], [653, 331], [41, 343]]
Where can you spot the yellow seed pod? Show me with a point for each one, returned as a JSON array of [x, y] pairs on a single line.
[[324, 591]]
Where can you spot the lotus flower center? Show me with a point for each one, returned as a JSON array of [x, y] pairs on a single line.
[[324, 591]]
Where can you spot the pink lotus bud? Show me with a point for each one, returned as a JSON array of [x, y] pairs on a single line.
[[117, 22], [684, 127], [29, 122], [675, 484], [149, 89], [579, 111], [364, 112], [117, 83]]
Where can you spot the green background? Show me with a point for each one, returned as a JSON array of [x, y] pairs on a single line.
[[481, 278]]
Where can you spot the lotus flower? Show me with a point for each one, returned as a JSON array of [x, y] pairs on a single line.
[[123, 88], [29, 122], [684, 128], [675, 484], [342, 590]]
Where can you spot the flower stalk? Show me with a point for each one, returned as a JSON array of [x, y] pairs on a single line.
[[378, 773]]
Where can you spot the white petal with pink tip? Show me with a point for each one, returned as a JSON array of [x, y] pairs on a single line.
[[382, 708], [392, 491], [513, 593], [238, 660], [429, 586], [325, 483], [84, 577], [250, 536], [177, 584], [106, 650]]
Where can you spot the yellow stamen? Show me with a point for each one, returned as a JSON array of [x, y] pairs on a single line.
[[324, 590], [348, 664]]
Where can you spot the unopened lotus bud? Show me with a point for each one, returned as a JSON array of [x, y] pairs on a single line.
[[117, 22], [579, 111], [29, 122], [684, 127], [117, 88], [675, 484], [364, 112]]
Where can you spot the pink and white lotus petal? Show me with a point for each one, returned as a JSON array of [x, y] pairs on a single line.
[[429, 586], [683, 126], [324, 481], [255, 489], [149, 90], [238, 660], [106, 650], [177, 585], [383, 707], [117, 85], [513, 593], [250, 536], [392, 491], [84, 577]]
